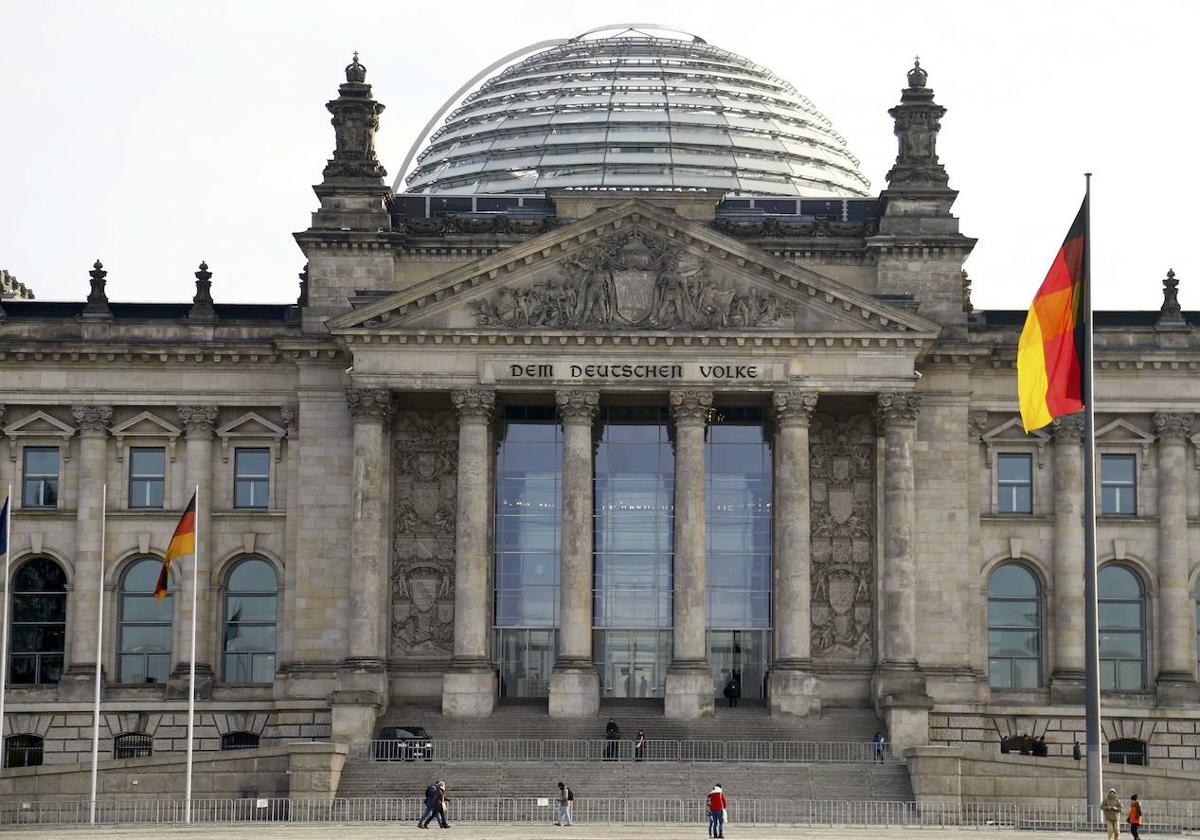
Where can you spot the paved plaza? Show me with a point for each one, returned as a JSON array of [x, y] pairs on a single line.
[[510, 831]]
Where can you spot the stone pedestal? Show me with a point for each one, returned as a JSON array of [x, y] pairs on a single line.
[[689, 693], [352, 716], [793, 691], [574, 692], [907, 724], [469, 692]]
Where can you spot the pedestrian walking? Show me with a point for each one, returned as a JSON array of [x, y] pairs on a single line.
[[566, 796], [1112, 810], [434, 801], [716, 812], [442, 799], [1135, 816], [733, 690], [639, 746], [878, 743]]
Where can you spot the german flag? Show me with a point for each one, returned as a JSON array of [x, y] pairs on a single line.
[[183, 543], [1051, 349]]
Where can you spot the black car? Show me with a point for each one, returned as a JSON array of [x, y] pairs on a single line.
[[403, 743]]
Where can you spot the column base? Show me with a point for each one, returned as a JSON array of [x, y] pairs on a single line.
[[78, 682], [689, 692], [364, 675], [352, 716], [1176, 688], [469, 691], [177, 683], [793, 690], [574, 691], [1068, 688]]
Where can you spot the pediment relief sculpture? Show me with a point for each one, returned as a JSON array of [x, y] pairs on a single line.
[[633, 281]]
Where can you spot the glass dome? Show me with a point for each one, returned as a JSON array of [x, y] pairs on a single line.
[[632, 110]]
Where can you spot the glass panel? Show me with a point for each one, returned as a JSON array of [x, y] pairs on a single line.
[[263, 668], [250, 608], [143, 608], [41, 462], [1129, 676], [39, 608], [1012, 580], [1013, 642], [252, 575], [1015, 468], [1006, 613], [252, 463], [1026, 673], [136, 638], [142, 575], [1117, 581], [1118, 615], [147, 463], [249, 637], [1117, 468]]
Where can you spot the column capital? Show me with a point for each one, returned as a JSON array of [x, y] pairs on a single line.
[[369, 403], [690, 407], [794, 408], [897, 408], [1172, 427], [288, 414], [92, 418], [577, 404], [977, 423], [474, 402], [197, 419], [1068, 429]]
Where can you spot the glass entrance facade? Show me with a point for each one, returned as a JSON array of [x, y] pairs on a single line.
[[528, 493], [738, 547], [634, 522]]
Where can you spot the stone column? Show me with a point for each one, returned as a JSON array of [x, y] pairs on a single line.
[[689, 689], [1176, 683], [1067, 677], [86, 590], [793, 689], [197, 422], [575, 685], [371, 410], [899, 683], [469, 687]]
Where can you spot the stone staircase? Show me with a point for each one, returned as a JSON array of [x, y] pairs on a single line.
[[629, 779]]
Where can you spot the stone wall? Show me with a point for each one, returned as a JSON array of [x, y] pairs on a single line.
[[302, 771]]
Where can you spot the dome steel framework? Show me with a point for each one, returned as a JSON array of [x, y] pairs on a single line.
[[631, 110]]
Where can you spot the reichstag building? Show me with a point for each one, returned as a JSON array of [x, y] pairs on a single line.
[[631, 387]]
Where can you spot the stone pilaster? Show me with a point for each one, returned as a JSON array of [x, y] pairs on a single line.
[[1067, 676], [575, 685], [198, 422], [793, 686], [371, 411], [1176, 684], [689, 688], [85, 595], [469, 687], [899, 683]]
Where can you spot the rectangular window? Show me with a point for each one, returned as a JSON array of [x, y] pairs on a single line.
[[1118, 485], [1014, 483], [147, 477], [251, 468], [41, 477]]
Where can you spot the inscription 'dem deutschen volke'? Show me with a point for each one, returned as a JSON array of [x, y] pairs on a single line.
[[633, 371]]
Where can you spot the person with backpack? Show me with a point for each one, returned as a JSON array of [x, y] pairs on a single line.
[[565, 797], [1135, 816], [716, 812]]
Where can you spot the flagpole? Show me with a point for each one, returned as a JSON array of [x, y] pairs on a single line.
[[99, 657], [191, 719], [1095, 771], [8, 504]]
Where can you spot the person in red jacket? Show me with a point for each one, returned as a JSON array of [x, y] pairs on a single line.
[[716, 812], [1135, 816]]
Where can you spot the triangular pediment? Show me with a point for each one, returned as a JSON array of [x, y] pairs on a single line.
[[250, 424], [146, 424], [629, 268], [1122, 431], [39, 424], [1011, 430]]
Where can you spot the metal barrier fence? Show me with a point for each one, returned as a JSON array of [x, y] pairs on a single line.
[[509, 750], [615, 811]]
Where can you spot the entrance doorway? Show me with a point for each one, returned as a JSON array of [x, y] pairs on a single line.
[[740, 655], [525, 659], [632, 663]]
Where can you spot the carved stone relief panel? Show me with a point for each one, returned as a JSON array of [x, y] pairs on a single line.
[[424, 499], [842, 472], [634, 281]]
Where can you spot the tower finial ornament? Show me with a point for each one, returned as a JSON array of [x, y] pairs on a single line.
[[97, 299], [355, 72], [355, 121], [1170, 313], [917, 75], [202, 304]]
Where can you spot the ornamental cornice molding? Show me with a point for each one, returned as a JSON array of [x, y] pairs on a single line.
[[690, 407], [794, 407], [897, 409], [563, 338], [476, 403], [577, 404]]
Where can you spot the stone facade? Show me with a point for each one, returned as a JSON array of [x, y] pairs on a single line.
[[377, 399]]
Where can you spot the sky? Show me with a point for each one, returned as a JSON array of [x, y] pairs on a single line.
[[154, 135]]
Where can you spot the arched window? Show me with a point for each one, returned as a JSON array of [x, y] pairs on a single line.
[[22, 751], [1127, 751], [1014, 628], [133, 745], [144, 625], [39, 623], [249, 641], [1122, 630], [239, 741]]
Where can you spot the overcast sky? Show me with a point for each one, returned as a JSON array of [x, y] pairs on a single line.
[[156, 134]]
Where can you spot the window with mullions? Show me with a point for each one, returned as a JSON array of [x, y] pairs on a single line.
[[248, 648], [1118, 485], [147, 477], [1014, 483], [1127, 751], [1122, 629], [251, 477], [144, 626], [40, 474], [1014, 628], [239, 741], [133, 745], [39, 623], [23, 751]]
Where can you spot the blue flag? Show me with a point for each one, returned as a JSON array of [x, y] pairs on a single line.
[[4, 529]]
